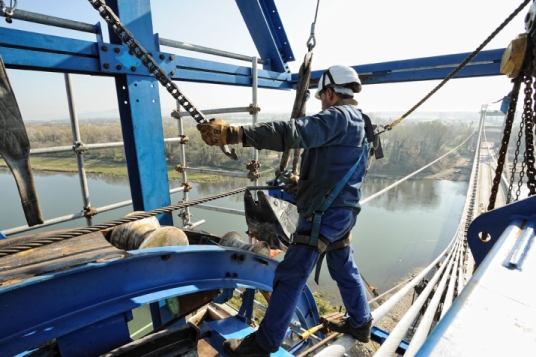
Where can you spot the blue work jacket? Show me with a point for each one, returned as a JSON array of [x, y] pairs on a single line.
[[332, 141]]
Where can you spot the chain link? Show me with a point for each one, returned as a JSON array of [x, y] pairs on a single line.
[[504, 144]]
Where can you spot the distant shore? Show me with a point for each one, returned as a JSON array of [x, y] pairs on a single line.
[[457, 172]]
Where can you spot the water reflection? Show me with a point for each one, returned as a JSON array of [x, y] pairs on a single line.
[[395, 233], [407, 195]]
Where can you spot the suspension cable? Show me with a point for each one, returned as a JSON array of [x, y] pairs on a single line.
[[371, 197], [7, 247], [461, 65]]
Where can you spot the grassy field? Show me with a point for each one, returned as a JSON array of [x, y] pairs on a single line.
[[68, 164]]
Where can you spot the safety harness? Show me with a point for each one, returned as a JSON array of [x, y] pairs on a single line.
[[315, 239]]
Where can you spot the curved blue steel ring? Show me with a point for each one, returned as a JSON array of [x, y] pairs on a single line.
[[37, 310]]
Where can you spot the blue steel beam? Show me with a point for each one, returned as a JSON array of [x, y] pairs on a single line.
[[21, 50], [32, 51], [141, 118], [266, 29], [72, 299], [486, 63]]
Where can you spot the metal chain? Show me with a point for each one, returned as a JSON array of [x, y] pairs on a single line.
[[526, 113], [137, 50], [76, 232], [504, 143], [529, 134], [461, 65]]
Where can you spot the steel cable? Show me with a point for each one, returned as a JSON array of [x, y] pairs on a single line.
[[461, 65]]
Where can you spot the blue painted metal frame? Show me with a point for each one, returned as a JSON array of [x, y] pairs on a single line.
[[495, 222], [486, 63], [232, 327], [141, 118], [266, 29], [88, 294], [27, 50]]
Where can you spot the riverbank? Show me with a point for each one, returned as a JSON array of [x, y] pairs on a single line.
[[102, 167], [458, 169]]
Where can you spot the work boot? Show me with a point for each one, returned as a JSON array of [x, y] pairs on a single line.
[[359, 333], [244, 347]]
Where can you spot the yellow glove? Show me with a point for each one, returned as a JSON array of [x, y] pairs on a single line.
[[219, 133]]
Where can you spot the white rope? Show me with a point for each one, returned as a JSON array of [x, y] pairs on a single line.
[[381, 192]]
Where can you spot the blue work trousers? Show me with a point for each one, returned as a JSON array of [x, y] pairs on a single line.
[[290, 278]]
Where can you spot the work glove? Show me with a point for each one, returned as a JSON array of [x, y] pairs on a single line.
[[217, 132]]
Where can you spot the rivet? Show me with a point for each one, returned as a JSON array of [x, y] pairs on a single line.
[[106, 65], [117, 50], [235, 275], [228, 275], [133, 69], [162, 57], [234, 258], [118, 66], [172, 73], [104, 48], [171, 58], [166, 257]]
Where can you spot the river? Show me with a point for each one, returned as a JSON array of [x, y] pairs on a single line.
[[396, 233]]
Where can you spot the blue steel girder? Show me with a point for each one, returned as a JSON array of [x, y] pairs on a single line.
[[267, 31], [141, 117], [46, 307], [486, 63], [32, 51]]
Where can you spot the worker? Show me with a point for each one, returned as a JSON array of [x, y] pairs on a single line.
[[334, 144]]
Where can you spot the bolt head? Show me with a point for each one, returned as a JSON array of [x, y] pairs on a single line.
[[119, 66], [104, 48], [106, 65], [117, 50]]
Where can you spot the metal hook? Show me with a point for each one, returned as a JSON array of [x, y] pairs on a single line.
[[12, 9]]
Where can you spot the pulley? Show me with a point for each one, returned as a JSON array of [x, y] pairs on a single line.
[[514, 56]]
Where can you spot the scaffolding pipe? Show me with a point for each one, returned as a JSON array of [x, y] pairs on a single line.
[[389, 346], [73, 216], [215, 172], [207, 50], [86, 147], [52, 21], [254, 85], [186, 217], [77, 139], [198, 223], [223, 111], [221, 209]]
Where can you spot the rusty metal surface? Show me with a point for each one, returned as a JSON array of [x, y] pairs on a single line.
[[54, 257]]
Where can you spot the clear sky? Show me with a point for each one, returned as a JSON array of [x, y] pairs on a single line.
[[350, 32]]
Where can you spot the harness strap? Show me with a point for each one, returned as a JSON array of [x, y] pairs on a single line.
[[324, 246]]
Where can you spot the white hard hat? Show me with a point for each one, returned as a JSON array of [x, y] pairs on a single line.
[[342, 79]]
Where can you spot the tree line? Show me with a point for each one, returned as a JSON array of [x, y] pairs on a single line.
[[406, 148]]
